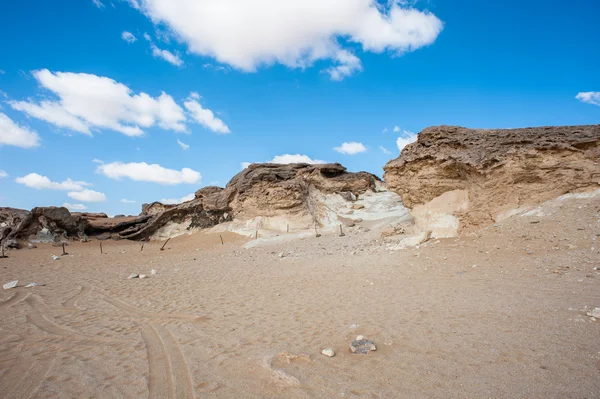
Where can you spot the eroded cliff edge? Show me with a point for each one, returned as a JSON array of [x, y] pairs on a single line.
[[454, 177]]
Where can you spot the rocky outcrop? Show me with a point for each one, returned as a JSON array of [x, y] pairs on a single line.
[[479, 176]]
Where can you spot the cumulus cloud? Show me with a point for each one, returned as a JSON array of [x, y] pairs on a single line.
[[173, 201], [126, 201], [351, 148], [87, 101], [589, 97], [183, 145], [154, 173], [295, 33], [289, 158], [204, 116], [128, 37], [87, 196], [347, 64], [3, 174], [405, 139], [39, 182], [74, 207], [13, 134]]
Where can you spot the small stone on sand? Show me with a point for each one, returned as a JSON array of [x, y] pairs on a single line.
[[10, 285], [328, 352]]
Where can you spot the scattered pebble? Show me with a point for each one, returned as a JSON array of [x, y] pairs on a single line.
[[10, 285], [328, 352], [143, 276], [153, 272], [30, 285], [133, 275], [54, 257], [362, 346], [594, 313], [354, 326]]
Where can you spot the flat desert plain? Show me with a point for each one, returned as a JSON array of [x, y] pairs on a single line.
[[497, 313]]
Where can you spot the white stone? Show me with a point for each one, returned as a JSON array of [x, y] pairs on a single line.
[[328, 352], [54, 257], [360, 337], [10, 285], [143, 276], [594, 313], [153, 272], [133, 275], [31, 285]]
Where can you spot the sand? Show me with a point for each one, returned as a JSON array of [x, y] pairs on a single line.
[[495, 314]]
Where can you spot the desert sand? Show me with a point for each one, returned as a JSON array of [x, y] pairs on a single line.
[[497, 313]]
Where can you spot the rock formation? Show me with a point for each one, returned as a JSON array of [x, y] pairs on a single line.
[[293, 193], [453, 177]]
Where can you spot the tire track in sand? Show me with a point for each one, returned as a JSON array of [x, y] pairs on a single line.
[[41, 321], [169, 375], [17, 297], [71, 303], [26, 386]]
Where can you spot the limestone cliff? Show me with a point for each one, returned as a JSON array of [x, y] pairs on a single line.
[[485, 174]]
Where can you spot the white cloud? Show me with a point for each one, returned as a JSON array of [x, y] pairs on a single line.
[[297, 158], [183, 145], [74, 207], [87, 101], [173, 201], [590, 97], [384, 150], [204, 116], [406, 138], [98, 3], [385, 130], [141, 171], [295, 33], [288, 158], [347, 64], [87, 196], [18, 136], [3, 174], [96, 160], [166, 55], [396, 129], [39, 182], [126, 201], [128, 37], [351, 148]]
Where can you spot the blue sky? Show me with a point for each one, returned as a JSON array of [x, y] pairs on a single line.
[[83, 116]]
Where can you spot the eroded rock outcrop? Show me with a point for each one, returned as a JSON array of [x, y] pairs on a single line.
[[457, 177]]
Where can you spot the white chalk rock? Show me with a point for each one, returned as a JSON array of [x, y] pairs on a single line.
[[594, 313], [31, 285], [133, 275], [153, 272], [360, 337], [10, 285], [54, 257], [328, 352], [143, 276]]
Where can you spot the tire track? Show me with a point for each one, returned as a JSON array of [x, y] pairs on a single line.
[[71, 303], [140, 313], [169, 374], [42, 322], [25, 387], [160, 380], [16, 298]]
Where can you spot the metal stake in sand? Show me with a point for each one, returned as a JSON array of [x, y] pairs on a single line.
[[316, 232], [101, 247], [64, 252], [2, 252], [142, 248], [163, 247], [221, 237], [288, 228], [341, 231]]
